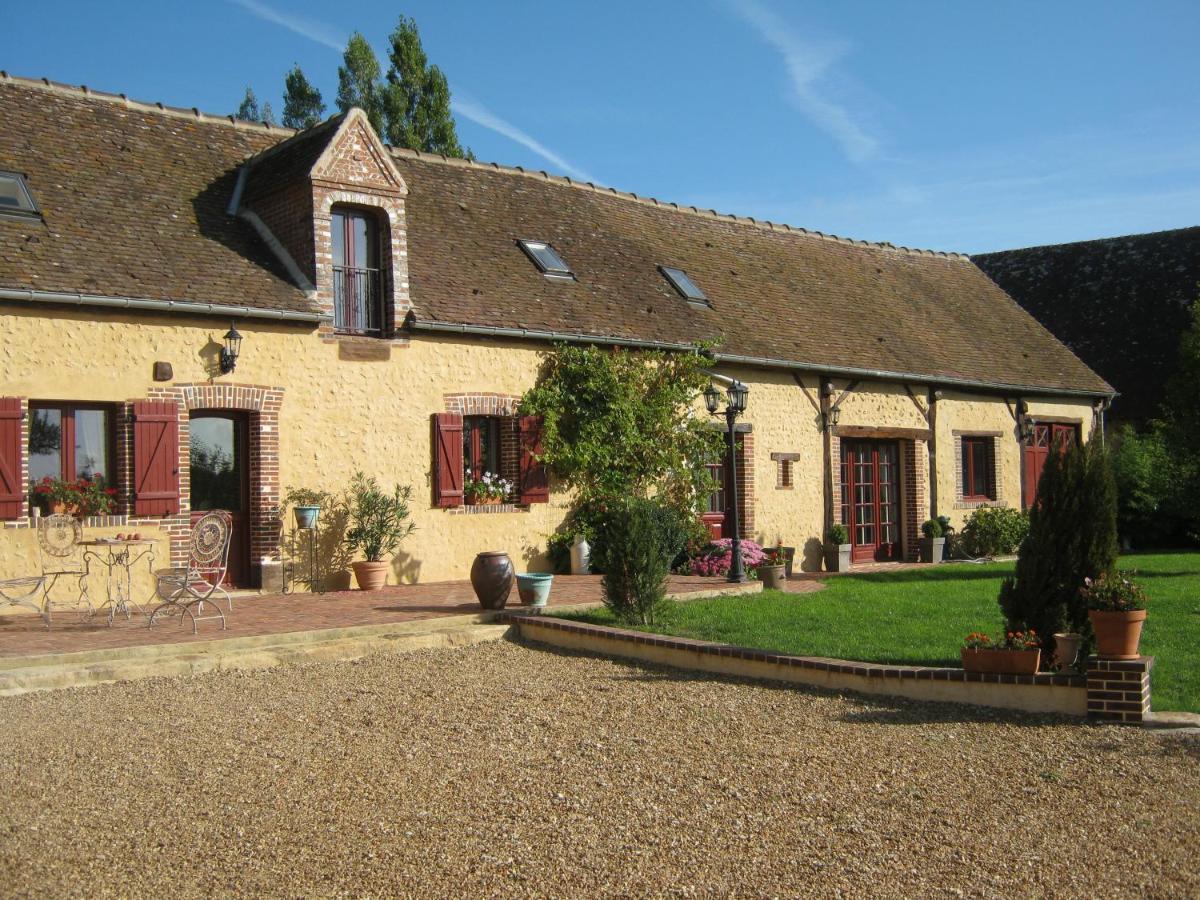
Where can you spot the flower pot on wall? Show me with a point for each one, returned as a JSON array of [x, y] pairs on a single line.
[[932, 549], [492, 578], [1003, 662], [773, 577], [534, 588], [1117, 633], [837, 557], [371, 575]]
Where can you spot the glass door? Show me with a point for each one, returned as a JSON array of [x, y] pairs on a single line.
[[870, 499], [219, 479]]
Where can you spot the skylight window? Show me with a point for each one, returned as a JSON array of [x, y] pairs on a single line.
[[681, 282], [15, 199], [546, 259]]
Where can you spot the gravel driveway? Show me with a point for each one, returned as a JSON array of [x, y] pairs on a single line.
[[502, 769]]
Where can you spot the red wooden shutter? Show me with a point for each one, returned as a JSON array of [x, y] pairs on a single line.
[[155, 458], [448, 459], [12, 490], [535, 486]]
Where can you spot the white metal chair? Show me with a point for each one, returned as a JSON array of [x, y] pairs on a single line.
[[185, 591], [61, 555]]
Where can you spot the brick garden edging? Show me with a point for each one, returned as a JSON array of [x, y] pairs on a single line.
[[1066, 694]]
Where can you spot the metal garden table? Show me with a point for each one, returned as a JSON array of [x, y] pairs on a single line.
[[118, 557]]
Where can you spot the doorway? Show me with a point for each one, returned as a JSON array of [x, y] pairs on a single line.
[[220, 479], [871, 499], [1045, 437]]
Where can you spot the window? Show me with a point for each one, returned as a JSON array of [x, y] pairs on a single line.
[[481, 446], [15, 199], [357, 282], [546, 259], [978, 468], [69, 441], [681, 282]]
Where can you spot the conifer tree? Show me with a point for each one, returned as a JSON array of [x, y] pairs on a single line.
[[251, 111], [416, 97], [302, 103], [358, 81]]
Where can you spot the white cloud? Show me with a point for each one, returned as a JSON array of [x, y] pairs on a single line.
[[302, 25], [808, 64], [468, 109]]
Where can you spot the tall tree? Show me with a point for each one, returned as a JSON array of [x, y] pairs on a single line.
[[251, 111], [302, 103], [1181, 423], [417, 97], [358, 81]]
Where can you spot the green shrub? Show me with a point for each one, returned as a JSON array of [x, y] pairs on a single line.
[[838, 534], [932, 528], [1072, 537], [993, 531], [637, 561]]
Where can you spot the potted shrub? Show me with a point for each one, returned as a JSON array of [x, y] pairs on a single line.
[[933, 543], [837, 549], [772, 570], [306, 505], [1116, 609], [1014, 653], [490, 490], [378, 523]]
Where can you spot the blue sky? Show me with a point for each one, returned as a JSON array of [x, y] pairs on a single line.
[[952, 125]]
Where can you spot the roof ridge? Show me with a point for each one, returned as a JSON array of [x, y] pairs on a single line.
[[194, 114], [764, 224], [1096, 240]]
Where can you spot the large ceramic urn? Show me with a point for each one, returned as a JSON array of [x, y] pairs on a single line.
[[492, 578]]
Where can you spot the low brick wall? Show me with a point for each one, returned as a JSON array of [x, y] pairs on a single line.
[[1118, 690], [1042, 693]]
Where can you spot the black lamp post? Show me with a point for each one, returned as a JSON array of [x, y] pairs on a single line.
[[734, 407], [231, 350]]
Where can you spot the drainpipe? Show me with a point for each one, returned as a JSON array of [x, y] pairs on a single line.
[[933, 397]]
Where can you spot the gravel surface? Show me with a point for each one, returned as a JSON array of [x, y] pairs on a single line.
[[501, 769]]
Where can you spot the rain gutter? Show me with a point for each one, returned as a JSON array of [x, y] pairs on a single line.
[[174, 306]]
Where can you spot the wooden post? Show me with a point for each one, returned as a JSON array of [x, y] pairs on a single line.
[[934, 397], [827, 454]]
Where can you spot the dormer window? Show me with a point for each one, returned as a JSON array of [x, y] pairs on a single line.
[[546, 259], [15, 198], [687, 288], [357, 280]]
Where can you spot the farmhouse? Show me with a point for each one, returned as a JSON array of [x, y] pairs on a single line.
[[392, 309]]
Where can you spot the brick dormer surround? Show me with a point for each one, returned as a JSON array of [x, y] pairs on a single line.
[[292, 197]]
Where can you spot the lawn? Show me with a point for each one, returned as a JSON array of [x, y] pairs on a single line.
[[920, 616]]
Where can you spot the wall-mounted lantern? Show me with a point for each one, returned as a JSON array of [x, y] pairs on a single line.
[[232, 349], [832, 418]]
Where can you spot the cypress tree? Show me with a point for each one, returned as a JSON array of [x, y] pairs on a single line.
[[302, 103], [358, 81]]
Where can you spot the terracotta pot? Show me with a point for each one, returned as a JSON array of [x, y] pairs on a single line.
[[370, 575], [1004, 662], [1117, 633], [772, 577], [492, 578]]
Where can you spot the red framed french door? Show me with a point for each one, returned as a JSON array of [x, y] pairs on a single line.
[[714, 513], [1045, 437], [871, 499]]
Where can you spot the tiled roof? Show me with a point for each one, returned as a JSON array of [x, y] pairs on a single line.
[[1120, 303], [134, 202], [777, 293]]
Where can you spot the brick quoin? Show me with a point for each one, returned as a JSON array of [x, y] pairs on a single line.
[[1118, 690]]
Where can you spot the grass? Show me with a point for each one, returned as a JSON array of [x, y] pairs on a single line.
[[920, 616]]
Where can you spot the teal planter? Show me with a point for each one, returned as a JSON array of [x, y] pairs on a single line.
[[534, 588], [306, 516]]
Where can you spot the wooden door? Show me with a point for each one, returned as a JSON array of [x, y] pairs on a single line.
[[220, 479], [871, 499], [1046, 436], [714, 513]]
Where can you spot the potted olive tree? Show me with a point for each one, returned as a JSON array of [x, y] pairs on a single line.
[[933, 543], [378, 523], [837, 549]]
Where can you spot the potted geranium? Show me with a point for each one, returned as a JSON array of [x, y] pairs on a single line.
[[78, 497], [378, 523], [772, 571], [933, 543], [489, 490], [1016, 652], [1116, 609], [837, 549]]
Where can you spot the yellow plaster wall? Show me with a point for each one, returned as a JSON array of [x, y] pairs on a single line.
[[878, 404]]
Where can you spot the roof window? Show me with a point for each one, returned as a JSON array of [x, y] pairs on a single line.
[[681, 282], [15, 199], [546, 259]]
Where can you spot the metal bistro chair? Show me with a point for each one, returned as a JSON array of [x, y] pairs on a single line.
[[185, 591], [58, 538]]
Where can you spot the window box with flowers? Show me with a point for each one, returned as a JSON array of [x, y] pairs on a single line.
[[1014, 653], [488, 490], [75, 497]]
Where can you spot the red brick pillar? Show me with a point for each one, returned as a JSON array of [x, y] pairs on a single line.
[[1118, 690]]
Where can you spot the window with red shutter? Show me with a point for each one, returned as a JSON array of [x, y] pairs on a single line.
[[535, 485], [12, 490], [155, 458], [448, 459]]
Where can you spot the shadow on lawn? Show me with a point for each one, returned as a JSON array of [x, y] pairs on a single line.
[[961, 572]]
